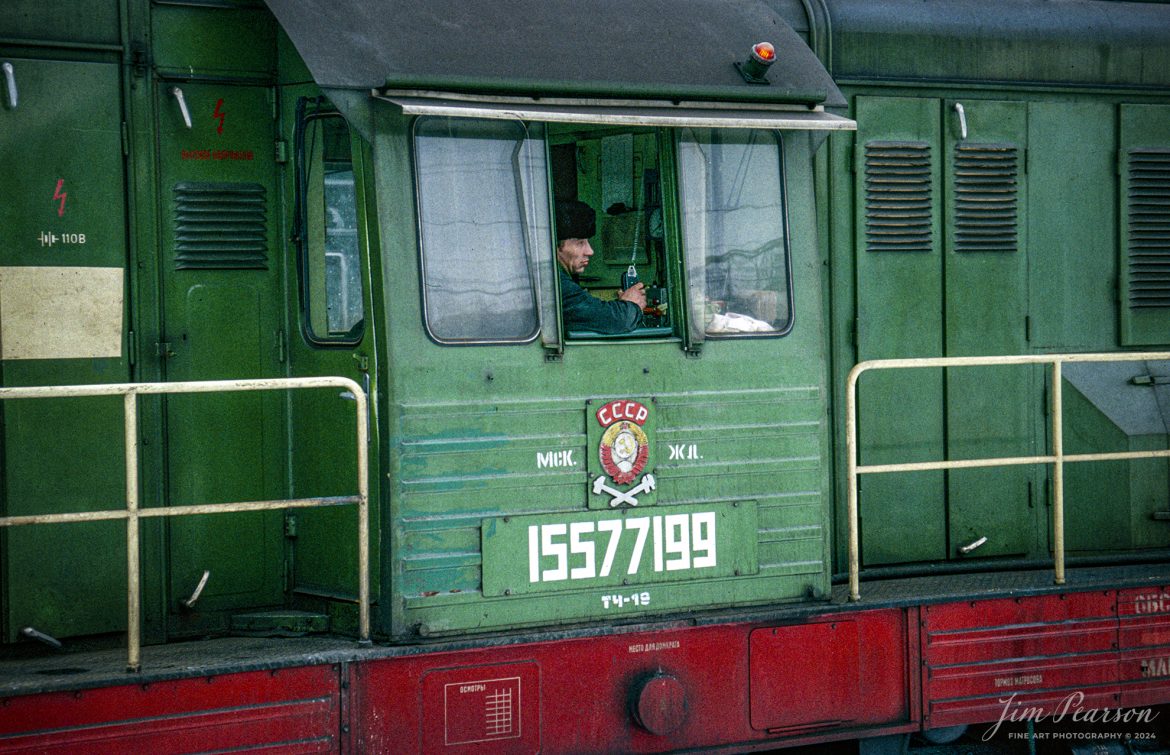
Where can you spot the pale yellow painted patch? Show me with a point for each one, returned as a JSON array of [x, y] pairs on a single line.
[[61, 312]]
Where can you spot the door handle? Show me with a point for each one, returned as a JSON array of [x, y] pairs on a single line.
[[33, 634], [972, 545], [10, 82], [190, 602], [962, 120], [178, 95]]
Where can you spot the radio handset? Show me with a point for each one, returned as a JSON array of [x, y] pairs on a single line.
[[629, 277]]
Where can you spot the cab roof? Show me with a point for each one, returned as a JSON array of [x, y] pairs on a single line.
[[642, 49]]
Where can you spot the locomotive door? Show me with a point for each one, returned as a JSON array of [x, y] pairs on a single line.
[[63, 316], [899, 315], [941, 271], [336, 338], [221, 286], [990, 410]]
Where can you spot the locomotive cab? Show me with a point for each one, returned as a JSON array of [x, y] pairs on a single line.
[[697, 206], [549, 471]]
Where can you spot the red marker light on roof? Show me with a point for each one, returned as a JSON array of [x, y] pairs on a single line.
[[755, 69]]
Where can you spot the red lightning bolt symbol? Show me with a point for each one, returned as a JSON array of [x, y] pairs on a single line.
[[217, 115], [58, 194]]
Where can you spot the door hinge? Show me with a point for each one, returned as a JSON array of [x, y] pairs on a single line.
[[131, 348], [125, 140], [290, 526], [281, 346], [281, 151], [163, 349]]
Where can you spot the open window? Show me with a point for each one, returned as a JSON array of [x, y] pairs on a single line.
[[328, 252], [618, 174]]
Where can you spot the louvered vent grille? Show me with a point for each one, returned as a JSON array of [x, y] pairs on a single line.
[[898, 197], [986, 198], [1149, 228], [221, 226]]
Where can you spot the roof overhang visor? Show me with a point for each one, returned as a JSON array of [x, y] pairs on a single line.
[[668, 50], [624, 113]]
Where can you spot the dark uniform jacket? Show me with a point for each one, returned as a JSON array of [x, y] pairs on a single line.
[[584, 311]]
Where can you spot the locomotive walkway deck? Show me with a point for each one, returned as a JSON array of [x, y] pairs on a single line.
[[30, 670]]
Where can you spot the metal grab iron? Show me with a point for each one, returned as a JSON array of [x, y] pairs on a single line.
[[34, 634], [973, 545], [178, 95], [190, 602], [10, 83]]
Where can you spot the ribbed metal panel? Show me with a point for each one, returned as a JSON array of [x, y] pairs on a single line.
[[461, 465], [898, 197], [986, 198], [1149, 228], [221, 226], [977, 655]]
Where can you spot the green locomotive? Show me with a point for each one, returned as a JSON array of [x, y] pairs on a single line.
[[768, 192]]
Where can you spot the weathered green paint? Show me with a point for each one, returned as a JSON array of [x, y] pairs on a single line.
[[1111, 505], [51, 462], [222, 324], [1072, 201], [464, 428], [279, 623], [85, 22], [469, 424], [618, 548], [985, 310], [215, 41], [323, 460], [899, 314], [1145, 128]]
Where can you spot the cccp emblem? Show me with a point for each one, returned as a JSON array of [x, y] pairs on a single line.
[[623, 451]]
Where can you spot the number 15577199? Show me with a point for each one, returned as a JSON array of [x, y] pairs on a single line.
[[569, 551]]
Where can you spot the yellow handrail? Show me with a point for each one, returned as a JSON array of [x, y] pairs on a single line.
[[132, 513], [1058, 458]]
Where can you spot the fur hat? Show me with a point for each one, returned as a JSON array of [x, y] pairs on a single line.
[[575, 220]]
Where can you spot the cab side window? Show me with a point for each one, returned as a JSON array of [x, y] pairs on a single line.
[[483, 200], [734, 238], [328, 253], [616, 173]]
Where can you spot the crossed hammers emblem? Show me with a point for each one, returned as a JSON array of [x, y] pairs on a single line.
[[619, 497]]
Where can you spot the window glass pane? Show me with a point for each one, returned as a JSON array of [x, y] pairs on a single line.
[[343, 281], [476, 235], [331, 263], [733, 227]]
